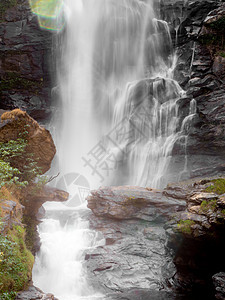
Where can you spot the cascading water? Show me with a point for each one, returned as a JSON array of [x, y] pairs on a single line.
[[120, 122]]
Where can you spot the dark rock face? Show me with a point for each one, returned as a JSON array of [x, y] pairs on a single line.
[[197, 30], [219, 283], [196, 235], [24, 56]]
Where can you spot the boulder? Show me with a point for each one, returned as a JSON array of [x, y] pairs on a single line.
[[126, 202], [40, 143], [35, 294]]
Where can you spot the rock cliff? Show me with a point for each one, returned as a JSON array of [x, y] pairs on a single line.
[[25, 56], [197, 28]]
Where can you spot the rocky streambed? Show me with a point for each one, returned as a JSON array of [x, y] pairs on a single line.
[[160, 244]]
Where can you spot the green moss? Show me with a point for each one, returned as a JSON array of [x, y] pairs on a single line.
[[31, 232], [209, 205], [16, 262], [217, 186], [4, 5], [184, 226], [13, 81], [211, 40], [221, 53], [218, 25], [138, 202]]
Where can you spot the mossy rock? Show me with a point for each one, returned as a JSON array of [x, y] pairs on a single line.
[[217, 186], [185, 226], [13, 81], [217, 25], [4, 5]]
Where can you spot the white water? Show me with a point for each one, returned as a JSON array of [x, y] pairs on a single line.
[[120, 121]]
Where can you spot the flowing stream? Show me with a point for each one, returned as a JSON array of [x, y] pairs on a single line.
[[118, 123]]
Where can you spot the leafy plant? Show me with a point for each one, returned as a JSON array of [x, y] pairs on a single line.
[[16, 262], [8, 295], [13, 152]]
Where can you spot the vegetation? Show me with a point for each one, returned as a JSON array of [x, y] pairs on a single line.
[[218, 25], [10, 153], [216, 36], [221, 53], [12, 81], [184, 226], [217, 186], [18, 172], [4, 5], [208, 205], [15, 262]]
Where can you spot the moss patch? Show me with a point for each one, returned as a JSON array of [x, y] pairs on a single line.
[[184, 226], [31, 232], [218, 25], [4, 5], [221, 53], [217, 186], [137, 202], [211, 40], [209, 205], [16, 261], [13, 81]]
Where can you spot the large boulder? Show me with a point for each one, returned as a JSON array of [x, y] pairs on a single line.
[[39, 141], [126, 202], [139, 250], [34, 293]]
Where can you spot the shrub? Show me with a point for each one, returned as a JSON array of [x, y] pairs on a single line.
[[184, 226], [10, 153], [217, 186], [16, 262]]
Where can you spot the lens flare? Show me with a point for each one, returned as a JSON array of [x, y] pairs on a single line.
[[50, 13]]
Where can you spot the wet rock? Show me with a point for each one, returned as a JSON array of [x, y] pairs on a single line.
[[127, 202], [35, 294], [135, 259], [200, 72], [219, 283], [133, 256]]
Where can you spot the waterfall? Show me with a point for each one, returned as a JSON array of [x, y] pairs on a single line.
[[118, 123]]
